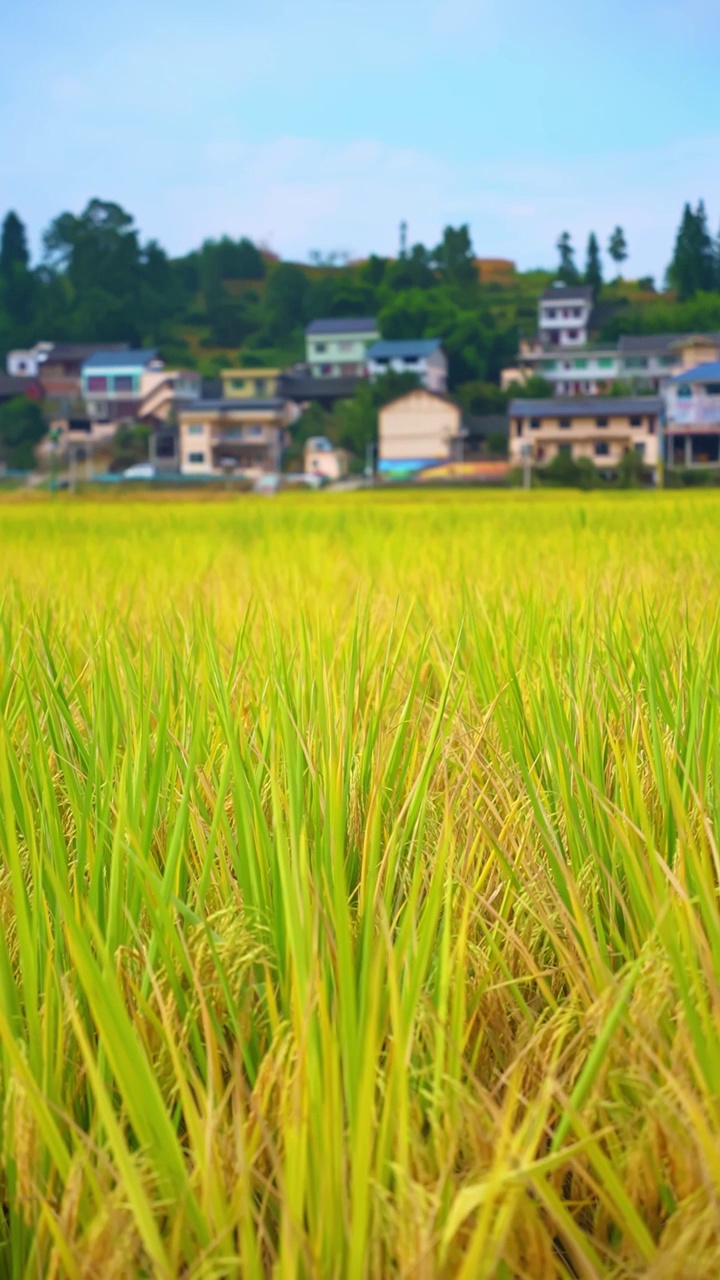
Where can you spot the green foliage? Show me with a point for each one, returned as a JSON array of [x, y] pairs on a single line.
[[593, 266], [534, 388], [631, 470], [454, 257], [693, 267], [567, 270], [22, 426], [480, 397], [617, 247]]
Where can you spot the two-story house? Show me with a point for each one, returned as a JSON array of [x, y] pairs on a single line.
[[422, 356], [112, 383], [337, 348], [692, 417], [235, 436], [599, 428]]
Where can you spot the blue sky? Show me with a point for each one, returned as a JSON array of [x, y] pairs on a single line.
[[320, 125]]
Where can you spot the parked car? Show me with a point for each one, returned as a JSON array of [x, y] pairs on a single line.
[[140, 471]]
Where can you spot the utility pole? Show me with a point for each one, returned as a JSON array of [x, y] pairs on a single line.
[[527, 474], [661, 448], [370, 461]]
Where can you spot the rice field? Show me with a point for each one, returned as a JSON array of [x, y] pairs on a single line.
[[359, 887]]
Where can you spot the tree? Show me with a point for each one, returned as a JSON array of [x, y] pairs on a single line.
[[567, 271], [22, 426], [285, 299], [617, 247], [593, 265], [99, 249], [533, 388], [455, 258], [13, 247], [693, 263]]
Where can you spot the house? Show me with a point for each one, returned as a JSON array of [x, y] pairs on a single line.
[[112, 383], [221, 437], [418, 429], [338, 348], [692, 417], [26, 364], [250, 384], [565, 311], [321, 458], [599, 428], [646, 362], [422, 356], [61, 370]]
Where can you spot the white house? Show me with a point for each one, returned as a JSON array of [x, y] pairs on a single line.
[[26, 364], [565, 311], [422, 356]]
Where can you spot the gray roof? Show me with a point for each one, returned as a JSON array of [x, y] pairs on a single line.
[[567, 292], [585, 407], [708, 372], [640, 344], [350, 324], [402, 348], [303, 386], [109, 358], [82, 350], [11, 387], [232, 406]]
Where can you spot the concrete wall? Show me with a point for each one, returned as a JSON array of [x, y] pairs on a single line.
[[418, 426]]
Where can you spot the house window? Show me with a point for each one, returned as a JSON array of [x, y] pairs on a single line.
[[123, 382], [712, 388], [411, 360], [572, 334], [196, 429], [260, 386], [601, 422], [640, 448], [196, 457], [346, 346], [238, 384], [668, 362], [636, 362], [97, 382], [253, 432], [684, 392], [602, 449], [564, 451], [535, 424], [605, 362], [651, 426], [565, 423], [635, 421], [547, 365], [550, 313], [518, 427], [581, 364], [320, 348]]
